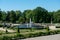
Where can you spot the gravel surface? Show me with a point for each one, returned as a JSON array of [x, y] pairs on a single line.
[[50, 37], [9, 30]]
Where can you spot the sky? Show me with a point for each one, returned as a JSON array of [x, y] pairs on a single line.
[[50, 5]]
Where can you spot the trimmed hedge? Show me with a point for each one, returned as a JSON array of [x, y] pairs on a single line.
[[40, 34], [29, 35]]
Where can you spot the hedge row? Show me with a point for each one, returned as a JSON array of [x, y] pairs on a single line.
[[23, 36], [39, 34]]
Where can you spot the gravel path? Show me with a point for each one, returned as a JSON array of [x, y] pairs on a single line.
[[4, 29], [50, 37]]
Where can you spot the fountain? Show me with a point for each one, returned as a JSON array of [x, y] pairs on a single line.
[[30, 22], [29, 25]]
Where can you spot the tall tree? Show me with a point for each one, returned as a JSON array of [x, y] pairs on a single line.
[[8, 16], [27, 15], [57, 16], [24, 15], [12, 16], [18, 15], [4, 16], [40, 15], [0, 15]]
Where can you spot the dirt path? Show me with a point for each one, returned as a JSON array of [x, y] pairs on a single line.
[[9, 30], [51, 37]]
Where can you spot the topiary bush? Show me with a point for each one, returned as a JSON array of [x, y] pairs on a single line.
[[47, 28], [18, 30], [6, 31]]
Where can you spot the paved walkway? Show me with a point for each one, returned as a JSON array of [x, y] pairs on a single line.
[[50, 37]]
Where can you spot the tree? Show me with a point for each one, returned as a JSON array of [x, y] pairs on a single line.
[[39, 15], [57, 17], [21, 20], [18, 14], [4, 16], [24, 15], [0, 15], [51, 16], [12, 16], [28, 15], [8, 16]]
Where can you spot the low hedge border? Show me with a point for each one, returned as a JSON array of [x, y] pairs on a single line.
[[39, 34], [23, 36]]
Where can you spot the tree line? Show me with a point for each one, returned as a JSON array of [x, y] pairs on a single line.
[[38, 15]]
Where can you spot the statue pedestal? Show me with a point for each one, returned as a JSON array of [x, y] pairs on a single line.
[[52, 27]]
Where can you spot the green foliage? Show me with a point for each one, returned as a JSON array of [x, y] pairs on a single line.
[[0, 15], [12, 16], [6, 38], [38, 15], [29, 35], [18, 30], [4, 16], [1, 25], [6, 31], [1, 33], [57, 17], [21, 20], [7, 17], [47, 28]]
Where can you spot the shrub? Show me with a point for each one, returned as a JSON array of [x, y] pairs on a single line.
[[29, 35], [52, 32], [6, 31], [38, 34], [45, 33], [18, 30], [6, 38], [58, 31], [1, 33], [47, 28], [21, 36], [31, 29]]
